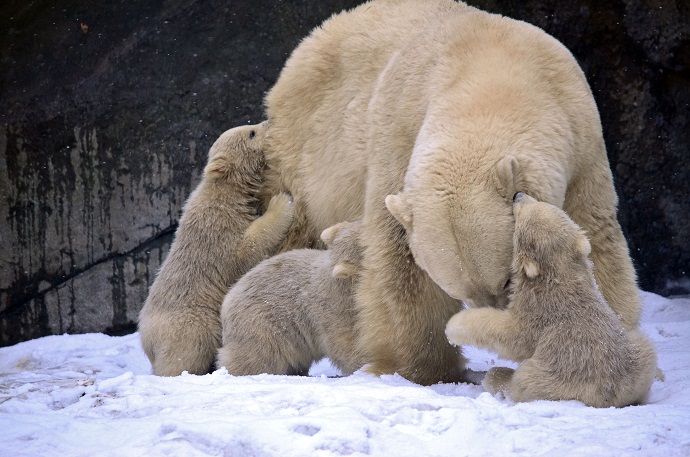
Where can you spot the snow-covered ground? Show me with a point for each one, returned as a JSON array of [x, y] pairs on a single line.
[[92, 395]]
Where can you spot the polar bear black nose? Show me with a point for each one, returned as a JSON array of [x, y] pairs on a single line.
[[518, 196]]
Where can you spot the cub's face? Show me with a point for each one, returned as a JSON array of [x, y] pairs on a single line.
[[237, 153], [546, 241]]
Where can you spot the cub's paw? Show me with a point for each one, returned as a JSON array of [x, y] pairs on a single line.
[[457, 329], [282, 208], [497, 379]]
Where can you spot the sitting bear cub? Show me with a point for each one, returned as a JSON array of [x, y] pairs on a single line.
[[218, 239], [571, 345], [294, 309]]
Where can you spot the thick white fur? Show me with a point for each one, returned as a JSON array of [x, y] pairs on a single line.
[[294, 309], [571, 345], [447, 111], [218, 239]]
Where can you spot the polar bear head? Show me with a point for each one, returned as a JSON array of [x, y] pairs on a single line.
[[547, 243], [237, 154], [459, 224]]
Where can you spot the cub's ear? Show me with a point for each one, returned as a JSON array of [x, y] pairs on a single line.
[[329, 234], [344, 270], [582, 245], [400, 209], [531, 268], [507, 174], [218, 167]]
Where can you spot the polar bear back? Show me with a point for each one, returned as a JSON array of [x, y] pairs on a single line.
[[329, 107]]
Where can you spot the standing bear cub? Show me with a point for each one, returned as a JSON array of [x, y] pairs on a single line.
[[571, 344], [294, 309], [218, 239]]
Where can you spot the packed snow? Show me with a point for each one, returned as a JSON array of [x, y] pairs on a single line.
[[93, 395]]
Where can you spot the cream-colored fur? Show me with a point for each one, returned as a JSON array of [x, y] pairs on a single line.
[[571, 344], [293, 309], [448, 111], [218, 239]]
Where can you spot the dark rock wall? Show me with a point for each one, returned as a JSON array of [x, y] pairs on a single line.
[[107, 111]]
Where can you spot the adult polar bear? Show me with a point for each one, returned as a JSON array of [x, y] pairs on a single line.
[[423, 119]]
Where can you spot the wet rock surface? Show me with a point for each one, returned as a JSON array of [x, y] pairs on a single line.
[[107, 111]]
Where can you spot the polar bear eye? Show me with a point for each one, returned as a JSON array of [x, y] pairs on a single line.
[[252, 134]]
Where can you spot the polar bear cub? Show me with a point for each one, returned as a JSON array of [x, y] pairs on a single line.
[[571, 345], [294, 309], [218, 239]]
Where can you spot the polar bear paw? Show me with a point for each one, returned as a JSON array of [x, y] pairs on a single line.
[[497, 379], [457, 329], [281, 209]]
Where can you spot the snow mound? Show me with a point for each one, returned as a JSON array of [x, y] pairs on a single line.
[[82, 395]]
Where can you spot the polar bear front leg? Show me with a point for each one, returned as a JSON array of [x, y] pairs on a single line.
[[264, 234], [493, 329], [401, 312], [592, 203]]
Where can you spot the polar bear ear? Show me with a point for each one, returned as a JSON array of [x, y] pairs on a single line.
[[507, 171], [400, 209], [218, 167], [531, 268], [344, 270], [329, 234], [582, 245]]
